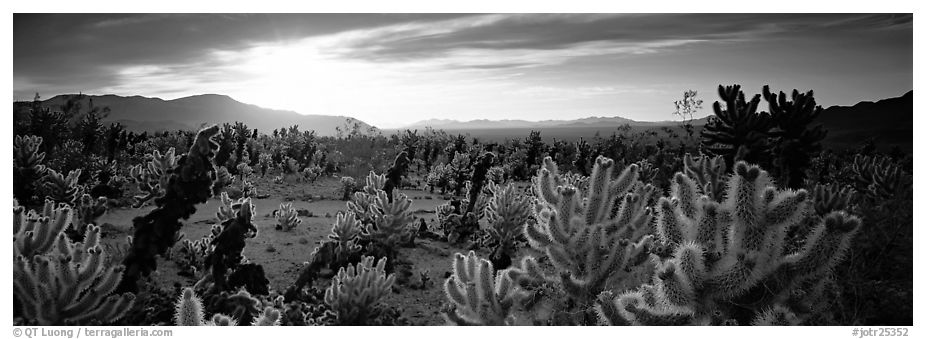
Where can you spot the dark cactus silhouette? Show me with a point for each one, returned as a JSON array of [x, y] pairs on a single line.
[[190, 184]]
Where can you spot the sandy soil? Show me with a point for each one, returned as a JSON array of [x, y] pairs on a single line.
[[282, 253]]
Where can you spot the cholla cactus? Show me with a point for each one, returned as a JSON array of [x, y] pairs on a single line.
[[479, 295], [880, 178], [59, 282], [311, 173], [190, 183], [152, 177], [229, 243], [355, 291], [345, 233], [264, 163], [223, 179], [588, 236], [347, 185], [830, 198], [188, 311], [361, 202], [87, 210], [392, 223], [244, 171], [287, 218], [496, 174], [61, 188], [709, 173], [27, 166], [289, 165], [507, 212], [727, 263]]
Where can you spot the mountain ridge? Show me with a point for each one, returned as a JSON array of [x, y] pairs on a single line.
[[139, 113]]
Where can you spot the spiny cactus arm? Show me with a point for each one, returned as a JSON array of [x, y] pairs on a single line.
[[708, 172], [188, 310], [57, 290], [391, 216], [62, 188], [830, 198], [478, 297], [641, 308], [26, 152], [269, 317], [630, 219], [219, 319], [356, 289], [825, 247], [777, 315], [37, 233], [88, 210]]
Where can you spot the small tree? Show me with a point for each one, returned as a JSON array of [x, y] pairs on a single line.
[[686, 109]]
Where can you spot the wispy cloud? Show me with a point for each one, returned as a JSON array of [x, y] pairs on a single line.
[[396, 68]]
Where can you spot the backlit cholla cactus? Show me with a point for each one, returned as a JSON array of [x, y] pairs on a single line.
[[726, 261], [345, 233], [61, 188], [27, 166], [480, 296], [87, 210], [356, 290], [392, 222], [188, 311], [362, 201], [506, 212], [60, 282], [347, 186], [223, 179], [830, 198], [709, 173], [880, 178], [152, 176], [287, 218], [588, 236]]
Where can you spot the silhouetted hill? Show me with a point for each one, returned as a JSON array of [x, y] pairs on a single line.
[[888, 121], [152, 114]]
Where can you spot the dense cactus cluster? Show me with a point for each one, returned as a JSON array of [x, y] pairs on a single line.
[[726, 262], [356, 290], [189, 311], [60, 282], [752, 224]]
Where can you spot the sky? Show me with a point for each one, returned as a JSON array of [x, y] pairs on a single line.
[[391, 70]]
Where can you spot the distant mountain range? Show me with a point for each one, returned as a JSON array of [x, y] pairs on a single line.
[[603, 122], [888, 121], [139, 113]]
